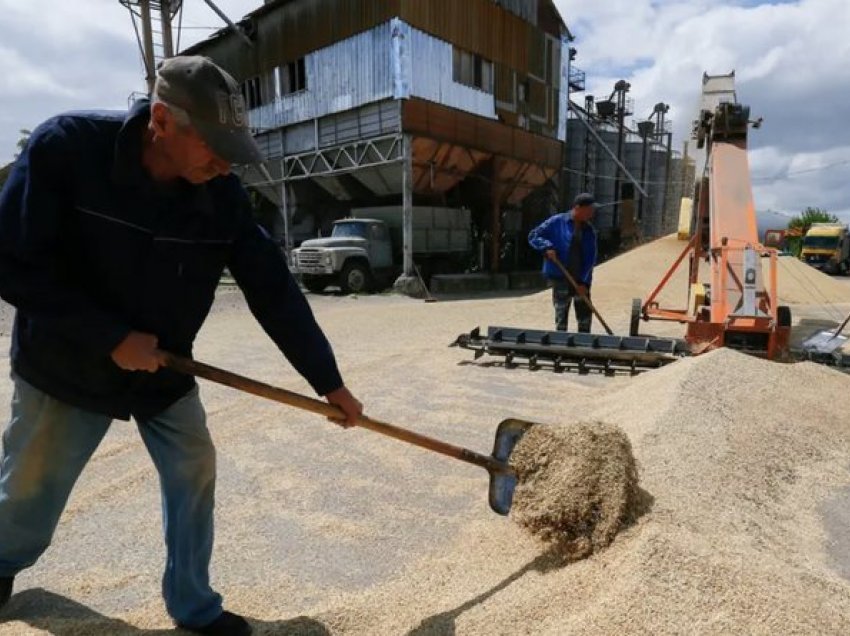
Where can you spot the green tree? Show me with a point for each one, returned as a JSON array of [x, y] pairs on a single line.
[[23, 141], [811, 215]]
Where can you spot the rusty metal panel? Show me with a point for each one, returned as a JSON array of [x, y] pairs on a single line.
[[292, 30], [505, 87], [537, 54], [537, 98], [288, 31], [526, 9], [445, 124], [479, 26]]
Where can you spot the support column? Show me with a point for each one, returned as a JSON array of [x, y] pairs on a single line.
[[147, 35], [409, 281], [495, 217], [407, 206], [167, 42], [284, 211]]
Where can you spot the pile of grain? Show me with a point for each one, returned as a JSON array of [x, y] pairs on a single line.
[[637, 272], [741, 459], [577, 486], [744, 474]]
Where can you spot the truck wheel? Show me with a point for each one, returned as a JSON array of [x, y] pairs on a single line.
[[634, 323], [314, 284], [355, 278]]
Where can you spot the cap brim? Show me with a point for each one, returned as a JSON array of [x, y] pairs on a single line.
[[235, 145]]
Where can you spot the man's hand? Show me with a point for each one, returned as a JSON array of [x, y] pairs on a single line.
[[138, 352], [582, 289], [550, 255], [348, 403]]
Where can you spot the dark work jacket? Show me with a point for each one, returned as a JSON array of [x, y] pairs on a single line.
[[556, 233], [91, 249]]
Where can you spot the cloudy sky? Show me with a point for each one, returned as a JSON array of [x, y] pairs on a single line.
[[792, 63]]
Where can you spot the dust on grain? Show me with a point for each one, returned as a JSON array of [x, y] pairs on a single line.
[[577, 485]]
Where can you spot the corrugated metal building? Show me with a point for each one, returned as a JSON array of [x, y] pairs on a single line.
[[366, 102]]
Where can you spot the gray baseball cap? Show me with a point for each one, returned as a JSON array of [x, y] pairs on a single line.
[[214, 103]]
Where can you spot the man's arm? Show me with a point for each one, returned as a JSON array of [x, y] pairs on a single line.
[[34, 206], [540, 237], [276, 301]]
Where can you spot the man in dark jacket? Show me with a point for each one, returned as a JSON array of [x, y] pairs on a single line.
[[114, 231], [571, 239]]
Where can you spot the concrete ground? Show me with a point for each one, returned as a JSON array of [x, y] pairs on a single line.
[[317, 510]]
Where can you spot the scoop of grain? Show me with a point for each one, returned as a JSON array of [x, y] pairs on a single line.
[[577, 485]]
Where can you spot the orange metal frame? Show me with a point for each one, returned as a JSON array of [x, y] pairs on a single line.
[[726, 210]]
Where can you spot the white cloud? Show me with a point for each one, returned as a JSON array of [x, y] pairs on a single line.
[[791, 67], [58, 55]]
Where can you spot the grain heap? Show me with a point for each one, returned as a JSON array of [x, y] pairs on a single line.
[[741, 459], [577, 486]]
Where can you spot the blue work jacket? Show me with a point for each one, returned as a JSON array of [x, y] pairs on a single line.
[[92, 248], [556, 233]]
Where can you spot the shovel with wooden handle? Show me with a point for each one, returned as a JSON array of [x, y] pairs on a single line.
[[508, 433], [584, 297]]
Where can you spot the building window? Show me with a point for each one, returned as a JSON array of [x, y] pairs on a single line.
[[251, 92], [523, 91], [292, 77], [472, 70]]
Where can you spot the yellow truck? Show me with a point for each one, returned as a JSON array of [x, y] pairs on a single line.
[[826, 246]]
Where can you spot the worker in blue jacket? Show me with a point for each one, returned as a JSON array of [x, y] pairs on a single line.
[[114, 231], [570, 238]]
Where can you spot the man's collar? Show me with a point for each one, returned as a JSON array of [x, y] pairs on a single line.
[[127, 168]]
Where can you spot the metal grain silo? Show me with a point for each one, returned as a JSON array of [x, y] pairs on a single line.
[[606, 174]]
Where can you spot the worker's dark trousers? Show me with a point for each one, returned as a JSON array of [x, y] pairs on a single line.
[[45, 447], [562, 297]]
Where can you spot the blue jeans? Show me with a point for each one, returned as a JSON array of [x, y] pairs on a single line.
[[45, 448], [562, 297]]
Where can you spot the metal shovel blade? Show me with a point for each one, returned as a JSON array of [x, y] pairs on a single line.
[[503, 483]]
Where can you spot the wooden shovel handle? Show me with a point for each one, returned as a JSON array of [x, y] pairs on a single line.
[[584, 297], [255, 387]]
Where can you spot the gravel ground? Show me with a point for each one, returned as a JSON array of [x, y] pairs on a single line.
[[326, 531]]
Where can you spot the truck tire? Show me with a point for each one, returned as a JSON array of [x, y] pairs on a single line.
[[355, 278], [315, 284]]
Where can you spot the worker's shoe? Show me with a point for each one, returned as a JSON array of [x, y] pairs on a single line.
[[6, 583], [227, 624]]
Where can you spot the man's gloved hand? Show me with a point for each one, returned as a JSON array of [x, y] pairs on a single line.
[[138, 352], [350, 405]]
